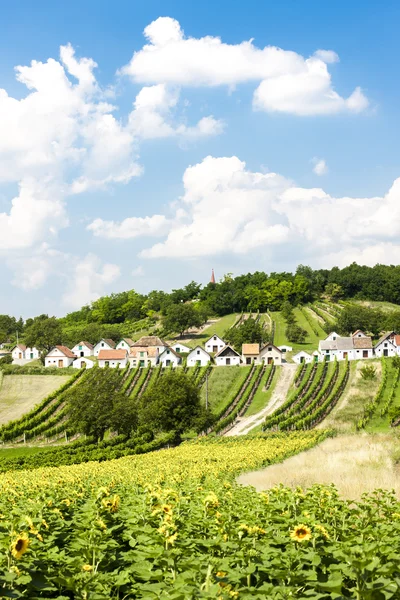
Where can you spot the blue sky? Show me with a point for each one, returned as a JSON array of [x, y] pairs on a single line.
[[142, 159]]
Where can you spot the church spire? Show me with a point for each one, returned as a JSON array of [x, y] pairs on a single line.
[[212, 280]]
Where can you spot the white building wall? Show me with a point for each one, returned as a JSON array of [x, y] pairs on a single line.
[[198, 356], [82, 350], [388, 346], [297, 358], [220, 361], [166, 360], [102, 345], [181, 348], [80, 362], [213, 342], [122, 345], [114, 364]]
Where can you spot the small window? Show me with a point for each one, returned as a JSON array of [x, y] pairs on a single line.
[[198, 351], [215, 337], [102, 344], [167, 351], [385, 344], [269, 349]]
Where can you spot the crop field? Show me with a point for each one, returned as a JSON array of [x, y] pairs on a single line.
[[174, 524], [20, 393]]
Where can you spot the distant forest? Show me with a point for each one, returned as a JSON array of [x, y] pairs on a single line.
[[120, 314]]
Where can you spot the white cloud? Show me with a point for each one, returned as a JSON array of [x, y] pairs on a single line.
[[60, 138], [129, 228], [31, 272], [37, 213], [152, 116], [90, 279], [227, 209], [320, 167], [288, 81], [327, 56]]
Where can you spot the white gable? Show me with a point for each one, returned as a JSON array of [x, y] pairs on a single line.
[[198, 352], [180, 348], [332, 337]]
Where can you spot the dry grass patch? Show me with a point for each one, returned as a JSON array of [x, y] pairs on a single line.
[[20, 393], [358, 393], [355, 463]]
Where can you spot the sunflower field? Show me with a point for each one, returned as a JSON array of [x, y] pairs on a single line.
[[173, 524]]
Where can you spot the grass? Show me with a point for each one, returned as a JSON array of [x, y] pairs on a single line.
[[20, 393], [280, 338], [221, 382], [22, 451], [217, 328], [355, 463], [358, 393], [385, 306], [316, 322], [261, 397]]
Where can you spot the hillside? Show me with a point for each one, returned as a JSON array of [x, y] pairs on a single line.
[[20, 393]]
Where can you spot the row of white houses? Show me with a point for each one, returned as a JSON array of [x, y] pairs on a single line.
[[358, 346], [152, 351]]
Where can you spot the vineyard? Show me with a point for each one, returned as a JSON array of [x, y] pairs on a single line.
[[318, 387], [174, 524]]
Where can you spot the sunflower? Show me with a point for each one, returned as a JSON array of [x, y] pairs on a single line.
[[20, 545], [301, 533]]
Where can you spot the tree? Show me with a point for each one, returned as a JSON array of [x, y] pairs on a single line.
[[355, 317], [295, 333], [180, 317], [287, 311], [124, 414], [249, 332], [172, 404], [44, 334], [334, 292], [95, 405]]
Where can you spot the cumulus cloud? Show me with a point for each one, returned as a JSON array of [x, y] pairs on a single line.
[[88, 281], [226, 209], [320, 167], [60, 138], [288, 82], [129, 228], [152, 116]]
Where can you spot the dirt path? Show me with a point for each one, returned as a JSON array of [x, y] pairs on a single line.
[[246, 424]]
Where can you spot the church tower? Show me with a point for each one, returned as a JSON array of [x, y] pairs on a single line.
[[212, 280]]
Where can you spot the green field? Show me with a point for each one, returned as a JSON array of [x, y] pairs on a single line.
[[21, 451], [20, 393], [221, 382], [280, 339]]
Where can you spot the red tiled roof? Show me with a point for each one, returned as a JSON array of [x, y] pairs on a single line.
[[66, 351], [112, 354], [251, 349]]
